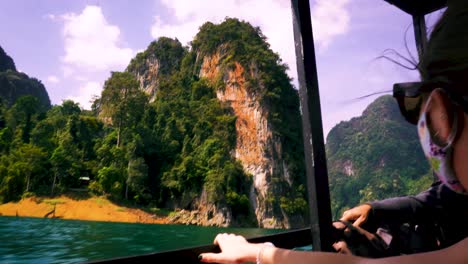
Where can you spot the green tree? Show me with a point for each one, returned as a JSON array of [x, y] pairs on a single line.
[[137, 180], [122, 102], [6, 133], [111, 180], [26, 112], [27, 164], [373, 157]]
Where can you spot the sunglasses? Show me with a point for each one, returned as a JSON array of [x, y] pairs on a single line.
[[409, 98]]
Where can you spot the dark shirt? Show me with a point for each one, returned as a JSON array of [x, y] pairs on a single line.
[[438, 205]]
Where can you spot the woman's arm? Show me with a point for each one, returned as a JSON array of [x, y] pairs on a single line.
[[417, 208], [396, 210], [235, 249], [455, 254]]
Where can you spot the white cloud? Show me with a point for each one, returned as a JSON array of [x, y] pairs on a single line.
[[50, 17], [272, 16], [91, 43], [81, 78], [85, 93], [52, 79], [330, 19], [92, 48], [67, 71]]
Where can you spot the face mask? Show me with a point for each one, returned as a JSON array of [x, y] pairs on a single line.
[[440, 157]]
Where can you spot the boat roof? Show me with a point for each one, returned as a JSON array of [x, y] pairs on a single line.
[[418, 7]]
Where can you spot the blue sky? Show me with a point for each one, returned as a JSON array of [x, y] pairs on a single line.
[[72, 46]]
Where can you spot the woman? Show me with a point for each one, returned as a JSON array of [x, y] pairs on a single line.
[[439, 107]]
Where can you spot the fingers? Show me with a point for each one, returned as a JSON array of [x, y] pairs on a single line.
[[233, 249], [213, 257], [223, 236], [342, 248], [349, 216], [357, 214], [218, 236], [338, 225], [209, 258], [362, 219]]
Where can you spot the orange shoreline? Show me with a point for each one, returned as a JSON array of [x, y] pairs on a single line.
[[90, 208]]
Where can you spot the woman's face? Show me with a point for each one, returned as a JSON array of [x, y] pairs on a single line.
[[440, 115], [461, 154]]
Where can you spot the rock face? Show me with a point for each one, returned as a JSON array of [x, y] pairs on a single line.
[[204, 214], [148, 83], [250, 79], [15, 84], [259, 152], [159, 60]]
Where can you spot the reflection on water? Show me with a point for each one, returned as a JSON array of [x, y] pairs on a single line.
[[35, 240]]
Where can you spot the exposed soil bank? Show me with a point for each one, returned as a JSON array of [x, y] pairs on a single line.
[[80, 208]]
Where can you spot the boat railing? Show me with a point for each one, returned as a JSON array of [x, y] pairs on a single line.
[[299, 239]]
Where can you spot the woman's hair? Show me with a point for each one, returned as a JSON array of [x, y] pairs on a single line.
[[446, 55]]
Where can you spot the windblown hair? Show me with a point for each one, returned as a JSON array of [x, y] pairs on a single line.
[[446, 55]]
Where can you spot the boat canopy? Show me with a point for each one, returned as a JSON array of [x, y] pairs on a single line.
[[418, 7]]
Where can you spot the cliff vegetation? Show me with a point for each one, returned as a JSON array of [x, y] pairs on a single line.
[[212, 131], [375, 156]]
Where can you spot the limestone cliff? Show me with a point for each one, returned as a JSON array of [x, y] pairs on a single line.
[[257, 148], [250, 83], [148, 77], [161, 59]]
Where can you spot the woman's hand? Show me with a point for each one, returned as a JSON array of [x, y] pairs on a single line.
[[234, 249], [358, 214]]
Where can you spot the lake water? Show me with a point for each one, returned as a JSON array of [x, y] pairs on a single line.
[[38, 240]]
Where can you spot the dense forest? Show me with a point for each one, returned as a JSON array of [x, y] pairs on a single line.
[[165, 146], [375, 156], [185, 134], [161, 150]]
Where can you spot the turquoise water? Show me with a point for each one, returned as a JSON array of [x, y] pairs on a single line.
[[38, 240]]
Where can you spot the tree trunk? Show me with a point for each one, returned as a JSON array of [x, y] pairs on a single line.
[[53, 185], [118, 133], [28, 179]]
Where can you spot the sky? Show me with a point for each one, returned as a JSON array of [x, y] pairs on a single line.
[[73, 46]]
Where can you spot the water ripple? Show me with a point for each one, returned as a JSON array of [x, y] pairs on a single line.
[[37, 240]]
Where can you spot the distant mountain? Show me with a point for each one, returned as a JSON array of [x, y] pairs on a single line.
[[375, 156], [14, 84], [6, 62]]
